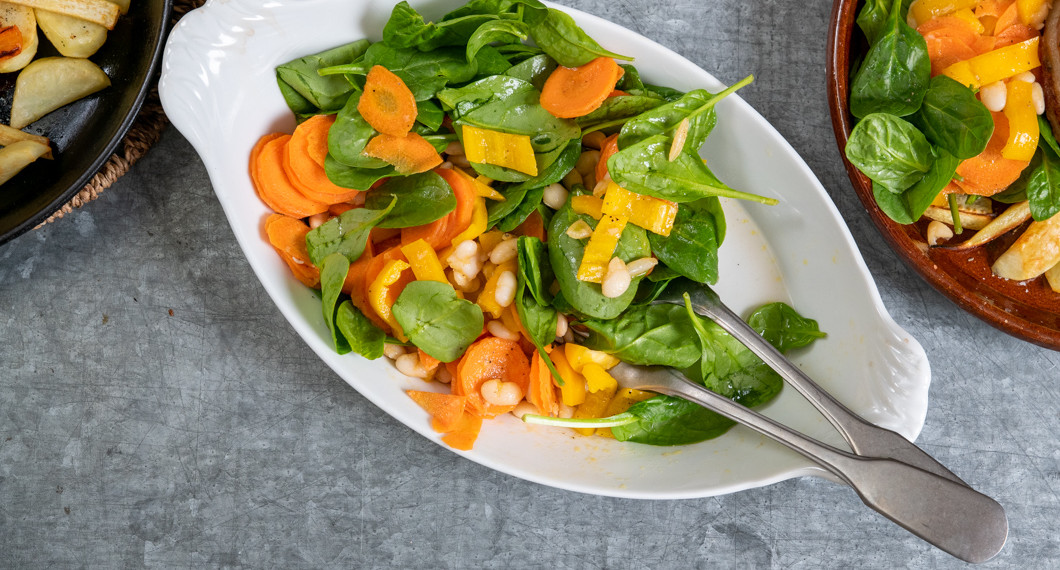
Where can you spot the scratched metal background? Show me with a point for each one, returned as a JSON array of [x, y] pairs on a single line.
[[157, 411]]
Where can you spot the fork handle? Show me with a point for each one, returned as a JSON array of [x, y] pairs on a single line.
[[864, 438], [950, 515]]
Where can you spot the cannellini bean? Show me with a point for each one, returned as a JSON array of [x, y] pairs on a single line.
[[561, 325], [455, 147], [465, 250], [994, 96], [316, 220], [505, 293], [555, 196], [465, 283], [641, 266], [1038, 97], [572, 179], [616, 280], [1026, 77], [504, 251], [938, 231], [500, 393], [459, 160], [392, 351], [524, 408], [497, 329], [409, 365], [587, 162], [594, 139], [579, 230], [565, 411], [442, 374]]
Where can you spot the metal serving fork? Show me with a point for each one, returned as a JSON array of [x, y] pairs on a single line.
[[889, 473]]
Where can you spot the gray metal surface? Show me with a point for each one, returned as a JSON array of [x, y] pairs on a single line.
[[212, 437]]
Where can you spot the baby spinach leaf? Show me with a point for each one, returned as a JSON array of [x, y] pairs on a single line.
[[567, 43], [534, 70], [362, 335], [503, 31], [535, 269], [425, 73], [529, 11], [646, 335], [616, 110], [907, 207], [630, 78], [784, 327], [436, 320], [890, 151], [348, 136], [306, 91], [333, 270], [497, 210], [894, 77], [953, 119], [666, 420], [565, 254], [352, 177], [429, 114], [1043, 188], [697, 106], [406, 28], [645, 168], [553, 172], [346, 234], [872, 18], [691, 249], [517, 216], [418, 199]]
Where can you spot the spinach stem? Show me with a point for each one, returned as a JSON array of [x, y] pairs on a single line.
[[622, 419], [723, 94], [955, 214]]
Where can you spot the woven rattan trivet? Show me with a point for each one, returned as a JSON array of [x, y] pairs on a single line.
[[144, 133]]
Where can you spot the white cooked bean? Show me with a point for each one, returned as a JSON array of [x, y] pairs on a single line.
[[316, 220], [524, 408], [442, 374], [616, 280], [561, 325], [587, 162], [459, 160], [1026, 77], [455, 147], [572, 179], [504, 251], [465, 250], [497, 329], [565, 411], [680, 135], [579, 230], [555, 196], [938, 231], [1038, 97], [465, 283], [392, 351], [601, 187], [505, 293], [409, 365], [994, 96], [500, 393], [641, 266]]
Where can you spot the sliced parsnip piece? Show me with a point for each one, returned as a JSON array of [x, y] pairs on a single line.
[[123, 5], [1052, 276], [23, 18], [97, 11], [9, 136], [73, 37], [1009, 220], [969, 220], [15, 156], [1034, 252], [51, 82]]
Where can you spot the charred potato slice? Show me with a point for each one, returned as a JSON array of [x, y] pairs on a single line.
[[73, 37], [15, 156], [23, 18], [50, 83], [1033, 253]]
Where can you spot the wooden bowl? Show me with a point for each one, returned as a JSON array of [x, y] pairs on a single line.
[[1029, 310]]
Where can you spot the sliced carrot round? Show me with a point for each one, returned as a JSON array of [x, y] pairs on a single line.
[[310, 178], [988, 172], [387, 103], [490, 358], [409, 153], [287, 237], [271, 181], [571, 92], [609, 148]]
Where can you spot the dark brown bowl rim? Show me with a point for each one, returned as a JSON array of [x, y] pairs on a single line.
[[977, 302]]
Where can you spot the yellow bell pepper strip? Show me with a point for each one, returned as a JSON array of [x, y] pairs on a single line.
[[924, 10], [424, 261], [651, 213], [621, 402], [968, 16], [1031, 12], [479, 220], [1022, 122], [588, 205], [597, 379], [510, 318], [595, 406], [601, 248], [483, 188], [996, 65], [379, 294], [572, 392], [578, 356], [499, 149], [487, 298]]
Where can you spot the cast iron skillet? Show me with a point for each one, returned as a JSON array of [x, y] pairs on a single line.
[[84, 133], [1027, 310]]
